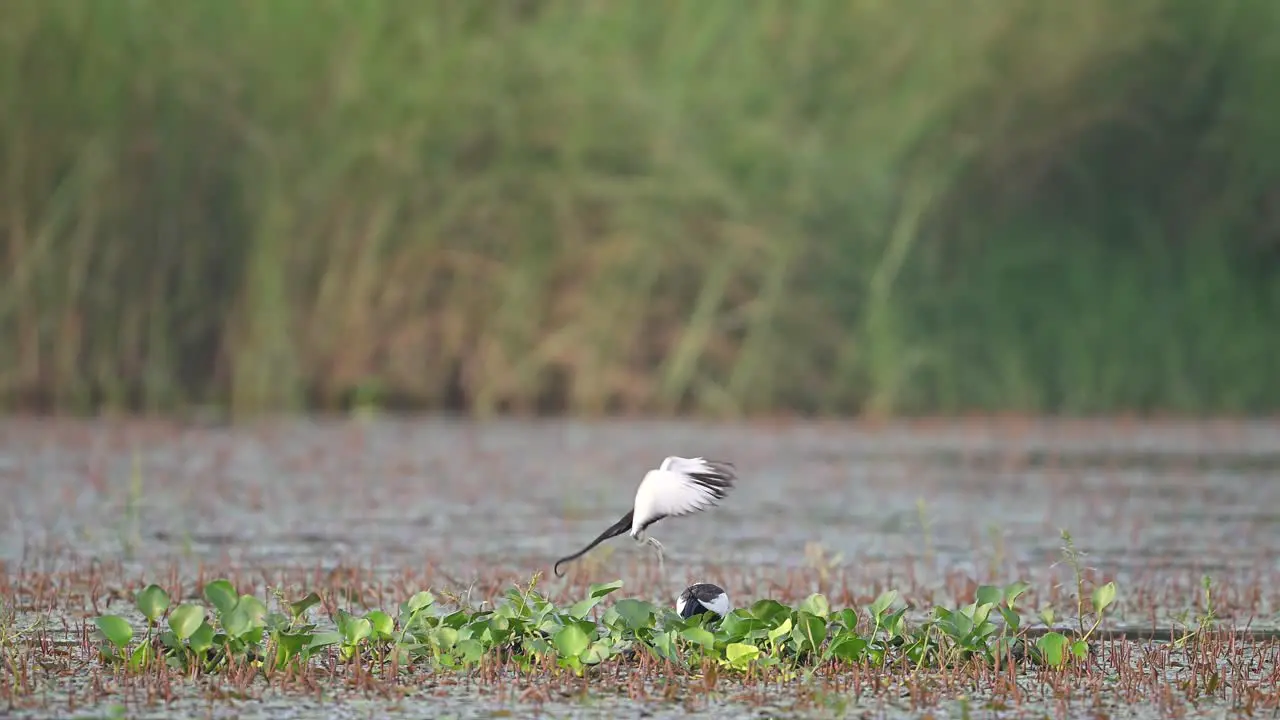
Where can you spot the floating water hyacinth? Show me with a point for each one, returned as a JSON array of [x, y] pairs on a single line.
[[525, 630]]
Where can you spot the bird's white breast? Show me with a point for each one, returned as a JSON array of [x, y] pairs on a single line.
[[649, 497]]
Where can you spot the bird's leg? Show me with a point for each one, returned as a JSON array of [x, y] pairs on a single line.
[[657, 546], [644, 539]]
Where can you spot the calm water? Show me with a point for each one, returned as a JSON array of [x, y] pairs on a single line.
[[1152, 505], [391, 493]]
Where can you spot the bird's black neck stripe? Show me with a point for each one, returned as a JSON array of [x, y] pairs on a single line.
[[651, 521]]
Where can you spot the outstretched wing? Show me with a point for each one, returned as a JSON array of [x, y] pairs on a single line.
[[681, 486]]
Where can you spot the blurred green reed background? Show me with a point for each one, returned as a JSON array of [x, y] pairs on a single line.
[[720, 206]]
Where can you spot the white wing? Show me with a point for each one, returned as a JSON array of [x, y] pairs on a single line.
[[680, 486], [695, 465], [712, 597], [718, 604]]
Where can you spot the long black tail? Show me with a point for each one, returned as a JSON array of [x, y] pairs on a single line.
[[615, 530]]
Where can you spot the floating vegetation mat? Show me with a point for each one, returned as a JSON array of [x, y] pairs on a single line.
[[213, 650]]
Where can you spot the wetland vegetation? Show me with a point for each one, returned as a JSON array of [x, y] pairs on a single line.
[[825, 207], [989, 654], [924, 585], [705, 208]]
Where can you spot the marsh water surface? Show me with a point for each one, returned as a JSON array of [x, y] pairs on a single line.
[[1153, 505]]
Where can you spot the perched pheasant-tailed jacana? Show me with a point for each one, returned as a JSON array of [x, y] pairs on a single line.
[[701, 598]]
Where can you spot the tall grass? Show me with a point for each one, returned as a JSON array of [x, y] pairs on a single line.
[[728, 206]]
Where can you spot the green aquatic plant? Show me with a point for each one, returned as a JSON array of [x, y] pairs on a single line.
[[1055, 648], [525, 631]]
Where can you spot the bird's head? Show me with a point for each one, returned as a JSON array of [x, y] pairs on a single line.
[[701, 598]]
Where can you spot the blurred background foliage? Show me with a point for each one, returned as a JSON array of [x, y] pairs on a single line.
[[720, 206]]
